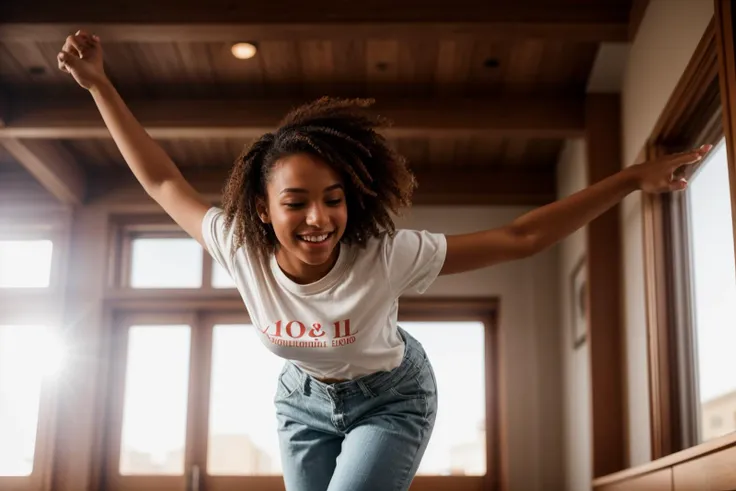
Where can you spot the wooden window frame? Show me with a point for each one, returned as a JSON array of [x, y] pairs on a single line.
[[17, 306], [702, 109], [125, 229], [202, 312]]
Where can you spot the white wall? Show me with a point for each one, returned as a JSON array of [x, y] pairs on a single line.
[[529, 341], [572, 177], [669, 33]]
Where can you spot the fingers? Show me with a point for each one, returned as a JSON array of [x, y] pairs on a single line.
[[678, 185], [689, 157], [66, 60], [76, 46]]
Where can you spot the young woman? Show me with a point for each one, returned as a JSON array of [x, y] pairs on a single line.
[[305, 230]]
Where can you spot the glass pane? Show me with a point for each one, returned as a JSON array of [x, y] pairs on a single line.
[[25, 263], [28, 356], [155, 406], [220, 277], [714, 283], [166, 263], [242, 427], [458, 443]]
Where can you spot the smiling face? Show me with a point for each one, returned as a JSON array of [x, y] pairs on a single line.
[[306, 207]]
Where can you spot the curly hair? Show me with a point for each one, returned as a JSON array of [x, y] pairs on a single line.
[[343, 134]]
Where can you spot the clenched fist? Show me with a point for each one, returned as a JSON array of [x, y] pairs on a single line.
[[81, 56]]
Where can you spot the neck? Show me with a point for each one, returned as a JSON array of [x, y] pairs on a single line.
[[301, 272]]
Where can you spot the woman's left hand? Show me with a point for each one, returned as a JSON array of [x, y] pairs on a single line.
[[660, 175]]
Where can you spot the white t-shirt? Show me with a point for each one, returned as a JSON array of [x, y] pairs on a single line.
[[342, 326]]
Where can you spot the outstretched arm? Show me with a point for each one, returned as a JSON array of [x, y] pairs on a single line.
[[81, 56], [545, 226]]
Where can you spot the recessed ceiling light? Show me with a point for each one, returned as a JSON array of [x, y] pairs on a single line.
[[243, 51]]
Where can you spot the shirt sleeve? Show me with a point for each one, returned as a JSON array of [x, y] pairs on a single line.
[[218, 238], [413, 259]]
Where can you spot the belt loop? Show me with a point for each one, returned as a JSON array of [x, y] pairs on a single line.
[[365, 389]]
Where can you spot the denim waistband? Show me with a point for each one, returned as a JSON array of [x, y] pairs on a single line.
[[369, 385]]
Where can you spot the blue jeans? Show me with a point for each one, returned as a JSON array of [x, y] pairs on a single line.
[[366, 434]]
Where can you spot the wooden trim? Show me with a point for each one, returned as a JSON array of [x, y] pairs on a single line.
[[199, 400], [37, 117], [689, 454], [603, 143], [726, 49], [682, 375], [663, 379]]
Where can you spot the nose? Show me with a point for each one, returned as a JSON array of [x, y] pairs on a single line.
[[317, 216]]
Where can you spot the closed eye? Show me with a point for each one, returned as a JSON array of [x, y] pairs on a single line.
[[334, 202]]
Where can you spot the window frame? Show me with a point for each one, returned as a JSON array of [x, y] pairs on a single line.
[[699, 111], [15, 305], [202, 314], [125, 229]]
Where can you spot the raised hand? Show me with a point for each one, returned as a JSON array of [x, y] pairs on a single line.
[[81, 56], [663, 174]]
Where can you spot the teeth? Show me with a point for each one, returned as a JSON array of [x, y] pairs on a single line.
[[314, 238]]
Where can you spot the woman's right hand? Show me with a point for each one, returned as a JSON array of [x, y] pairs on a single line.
[[81, 56]]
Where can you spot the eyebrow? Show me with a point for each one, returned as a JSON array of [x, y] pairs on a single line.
[[300, 190]]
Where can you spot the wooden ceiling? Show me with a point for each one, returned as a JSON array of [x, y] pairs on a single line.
[[478, 90]]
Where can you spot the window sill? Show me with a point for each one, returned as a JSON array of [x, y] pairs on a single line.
[[689, 454]]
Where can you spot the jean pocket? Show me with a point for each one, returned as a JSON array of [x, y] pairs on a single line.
[[409, 388], [287, 386]]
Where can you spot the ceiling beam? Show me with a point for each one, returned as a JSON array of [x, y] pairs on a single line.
[[454, 186], [53, 167], [213, 33], [226, 20], [50, 118]]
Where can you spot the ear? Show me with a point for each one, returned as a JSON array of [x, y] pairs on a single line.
[[262, 210]]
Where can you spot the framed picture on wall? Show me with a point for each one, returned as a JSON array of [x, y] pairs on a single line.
[[579, 296]]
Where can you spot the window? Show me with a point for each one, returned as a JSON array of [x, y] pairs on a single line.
[[186, 406], [25, 263], [242, 424], [156, 389], [165, 263], [31, 352], [689, 260], [159, 256], [713, 282], [458, 444], [220, 277], [30, 356]]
